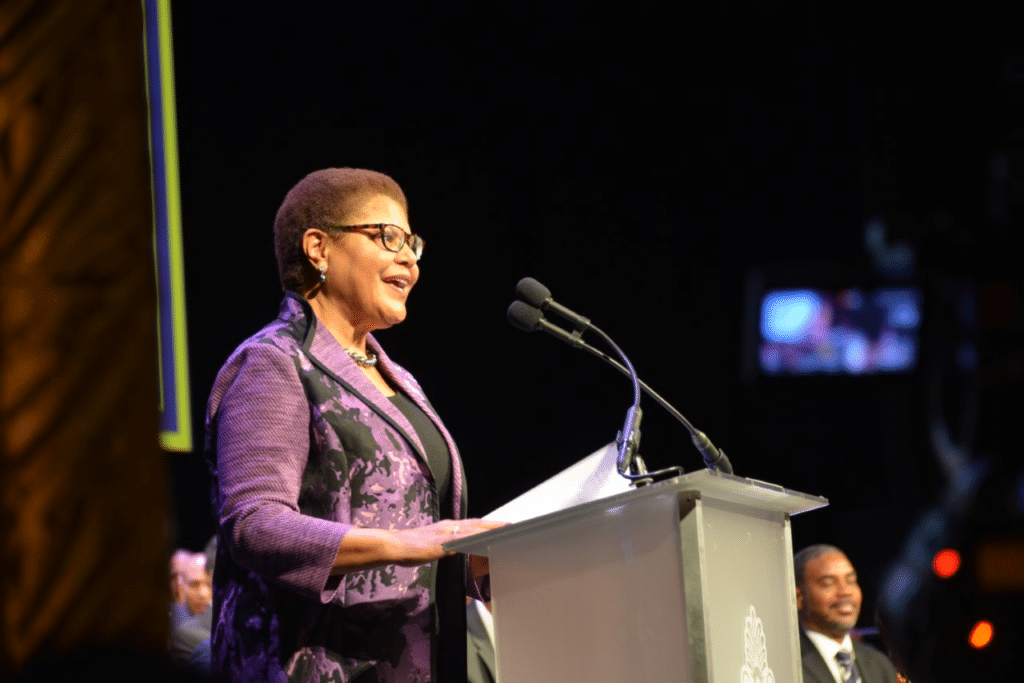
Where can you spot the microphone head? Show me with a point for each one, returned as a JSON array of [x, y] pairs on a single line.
[[532, 292], [524, 316]]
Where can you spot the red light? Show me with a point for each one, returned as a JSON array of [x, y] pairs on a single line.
[[946, 563], [981, 634]]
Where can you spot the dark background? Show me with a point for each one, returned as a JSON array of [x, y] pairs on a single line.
[[645, 163]]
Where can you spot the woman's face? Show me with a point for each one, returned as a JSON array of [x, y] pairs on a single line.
[[366, 283]]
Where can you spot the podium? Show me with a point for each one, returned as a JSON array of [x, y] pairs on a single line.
[[688, 580]]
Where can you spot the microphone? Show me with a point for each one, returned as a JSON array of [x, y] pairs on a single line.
[[539, 296], [529, 319]]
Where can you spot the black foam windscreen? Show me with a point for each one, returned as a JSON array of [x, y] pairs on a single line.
[[524, 316], [532, 292]]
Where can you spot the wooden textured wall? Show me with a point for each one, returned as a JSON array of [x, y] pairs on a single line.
[[83, 481]]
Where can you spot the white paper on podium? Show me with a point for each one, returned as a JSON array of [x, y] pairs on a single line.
[[592, 478]]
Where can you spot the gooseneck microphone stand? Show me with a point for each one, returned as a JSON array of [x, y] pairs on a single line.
[[527, 316]]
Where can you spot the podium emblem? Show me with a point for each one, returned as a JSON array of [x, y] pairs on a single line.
[[755, 668]]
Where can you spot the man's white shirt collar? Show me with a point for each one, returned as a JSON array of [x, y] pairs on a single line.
[[828, 649]]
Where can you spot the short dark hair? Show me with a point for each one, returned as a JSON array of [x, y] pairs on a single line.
[[323, 199], [801, 559]]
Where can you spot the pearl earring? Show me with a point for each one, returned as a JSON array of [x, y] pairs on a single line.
[[323, 273]]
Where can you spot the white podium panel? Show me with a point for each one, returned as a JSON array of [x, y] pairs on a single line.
[[581, 607]]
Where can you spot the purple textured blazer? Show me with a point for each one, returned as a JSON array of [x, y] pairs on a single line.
[[302, 447]]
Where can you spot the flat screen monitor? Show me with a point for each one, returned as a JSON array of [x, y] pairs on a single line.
[[838, 330]]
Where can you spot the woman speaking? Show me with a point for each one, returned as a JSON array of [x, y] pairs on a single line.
[[333, 480]]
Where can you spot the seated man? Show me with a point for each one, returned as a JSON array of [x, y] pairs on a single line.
[[192, 593], [828, 601]]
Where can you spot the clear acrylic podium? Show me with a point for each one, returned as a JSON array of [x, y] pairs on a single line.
[[690, 579]]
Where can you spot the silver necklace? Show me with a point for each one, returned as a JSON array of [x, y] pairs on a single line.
[[365, 361]]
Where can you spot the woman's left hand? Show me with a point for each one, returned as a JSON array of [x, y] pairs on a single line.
[[366, 548], [430, 538]]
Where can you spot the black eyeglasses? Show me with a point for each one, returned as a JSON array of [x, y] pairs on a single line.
[[391, 236]]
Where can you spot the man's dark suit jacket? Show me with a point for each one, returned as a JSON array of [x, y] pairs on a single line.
[[874, 667], [188, 631]]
